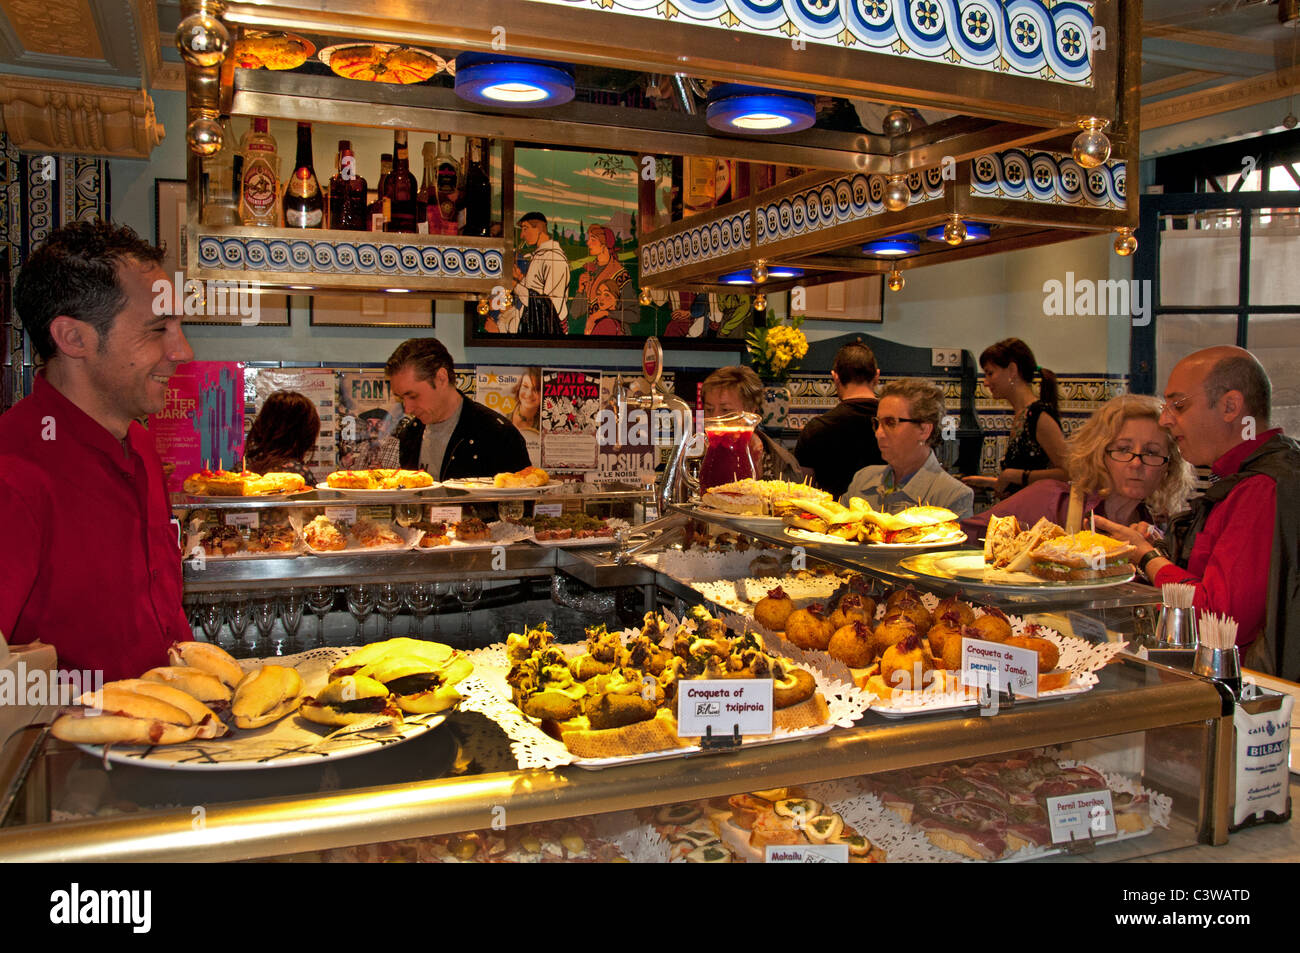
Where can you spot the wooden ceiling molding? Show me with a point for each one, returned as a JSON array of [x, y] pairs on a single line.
[[1220, 99], [55, 27], [41, 115]]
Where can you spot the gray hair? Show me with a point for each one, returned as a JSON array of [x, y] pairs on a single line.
[[924, 399], [1242, 373]]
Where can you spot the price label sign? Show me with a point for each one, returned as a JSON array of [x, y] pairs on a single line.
[[445, 514], [724, 705], [548, 509], [1000, 667], [807, 854], [243, 519], [341, 514], [1086, 627], [1080, 816]]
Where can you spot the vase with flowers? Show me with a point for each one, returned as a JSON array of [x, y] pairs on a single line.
[[774, 351]]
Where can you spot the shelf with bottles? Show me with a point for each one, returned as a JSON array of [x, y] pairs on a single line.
[[370, 225]]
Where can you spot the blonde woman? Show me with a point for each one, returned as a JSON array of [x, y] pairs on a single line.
[[735, 389], [1123, 459]]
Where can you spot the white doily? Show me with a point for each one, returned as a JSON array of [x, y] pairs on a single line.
[[639, 843], [488, 693]]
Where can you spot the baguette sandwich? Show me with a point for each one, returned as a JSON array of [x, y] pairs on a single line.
[[1084, 556], [914, 525]]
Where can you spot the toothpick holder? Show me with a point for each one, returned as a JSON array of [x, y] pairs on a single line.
[[1176, 628], [1222, 665]]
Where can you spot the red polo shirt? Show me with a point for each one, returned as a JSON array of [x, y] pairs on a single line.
[[1229, 561], [89, 557]]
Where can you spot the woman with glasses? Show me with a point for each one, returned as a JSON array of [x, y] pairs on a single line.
[[1036, 449], [1125, 462], [908, 425]]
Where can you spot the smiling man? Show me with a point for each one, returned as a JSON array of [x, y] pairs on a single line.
[[445, 433], [1240, 543], [91, 561]]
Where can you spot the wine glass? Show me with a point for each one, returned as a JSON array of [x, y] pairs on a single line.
[[361, 602], [320, 600], [510, 511], [292, 603], [212, 616], [388, 598], [441, 590], [468, 592], [239, 614], [266, 608], [192, 602], [419, 598]]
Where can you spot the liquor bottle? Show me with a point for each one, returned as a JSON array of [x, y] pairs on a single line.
[[400, 190], [378, 210], [347, 192], [259, 191], [447, 171], [476, 190], [304, 206], [700, 179], [428, 185], [220, 182]]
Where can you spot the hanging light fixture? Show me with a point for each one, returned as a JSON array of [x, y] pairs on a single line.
[[897, 123], [644, 297], [751, 109], [1091, 147], [760, 272], [895, 246], [760, 302], [493, 79], [483, 308], [749, 276], [204, 134], [897, 194], [201, 37], [975, 232], [895, 281], [1126, 242]]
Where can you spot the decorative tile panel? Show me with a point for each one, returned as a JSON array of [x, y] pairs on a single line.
[[1035, 39], [327, 256], [697, 244], [1048, 177], [850, 198]]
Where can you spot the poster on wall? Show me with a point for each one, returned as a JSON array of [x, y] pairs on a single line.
[[624, 451], [317, 384], [516, 394], [576, 274], [570, 418], [201, 425], [368, 416]]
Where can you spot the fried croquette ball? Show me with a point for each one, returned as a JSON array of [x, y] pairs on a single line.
[[851, 644], [809, 628], [965, 614], [901, 595], [992, 626], [1048, 654], [892, 629], [853, 607], [903, 665], [774, 609], [945, 626], [952, 647]]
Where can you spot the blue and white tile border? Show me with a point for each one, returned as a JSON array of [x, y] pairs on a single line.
[[1037, 39], [331, 257], [1048, 177], [697, 243], [849, 198]]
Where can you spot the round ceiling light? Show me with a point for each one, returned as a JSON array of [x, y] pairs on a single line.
[[975, 232], [752, 109], [895, 246], [746, 276], [494, 80]]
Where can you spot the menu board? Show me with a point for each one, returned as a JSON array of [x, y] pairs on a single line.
[[201, 425]]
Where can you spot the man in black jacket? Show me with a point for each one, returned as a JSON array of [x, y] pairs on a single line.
[[445, 433], [842, 441]]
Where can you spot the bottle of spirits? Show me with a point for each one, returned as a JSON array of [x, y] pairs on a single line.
[[400, 190], [428, 185], [304, 206], [378, 208], [347, 192], [476, 190], [259, 191], [447, 173]]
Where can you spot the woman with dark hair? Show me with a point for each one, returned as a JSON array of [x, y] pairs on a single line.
[[282, 435], [1036, 450]]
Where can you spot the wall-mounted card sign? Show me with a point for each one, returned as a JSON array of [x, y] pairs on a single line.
[[1080, 816], [341, 514], [243, 519], [548, 509], [999, 667], [724, 706], [445, 514], [806, 854], [1086, 627]]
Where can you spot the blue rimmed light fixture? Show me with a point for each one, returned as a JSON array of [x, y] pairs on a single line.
[[751, 109], [895, 246], [750, 276], [496, 80], [970, 232]]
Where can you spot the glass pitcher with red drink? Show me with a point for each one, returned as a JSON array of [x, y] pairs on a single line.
[[726, 455]]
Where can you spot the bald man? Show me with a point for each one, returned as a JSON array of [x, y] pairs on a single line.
[[1240, 543]]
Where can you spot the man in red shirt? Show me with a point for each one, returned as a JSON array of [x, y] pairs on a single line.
[[1238, 545], [91, 558]]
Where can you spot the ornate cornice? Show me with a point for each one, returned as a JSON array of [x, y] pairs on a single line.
[[42, 115], [1220, 99]]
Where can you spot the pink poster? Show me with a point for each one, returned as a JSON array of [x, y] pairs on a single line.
[[202, 424]]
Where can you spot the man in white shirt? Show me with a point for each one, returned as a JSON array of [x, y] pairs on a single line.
[[541, 307]]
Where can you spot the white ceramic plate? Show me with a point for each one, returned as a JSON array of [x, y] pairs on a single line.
[[808, 536], [706, 512], [256, 496], [967, 566], [483, 486], [376, 495]]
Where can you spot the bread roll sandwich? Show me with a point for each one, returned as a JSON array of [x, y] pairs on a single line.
[[209, 658], [914, 525], [209, 725], [115, 715], [421, 676], [822, 516], [266, 695], [206, 688], [1084, 556], [348, 700]]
